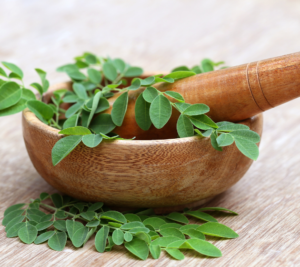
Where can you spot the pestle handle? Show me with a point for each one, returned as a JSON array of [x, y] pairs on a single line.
[[237, 93]]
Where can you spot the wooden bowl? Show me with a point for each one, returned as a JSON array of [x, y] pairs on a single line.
[[168, 174]]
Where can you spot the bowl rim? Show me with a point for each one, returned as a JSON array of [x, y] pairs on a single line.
[[35, 122]]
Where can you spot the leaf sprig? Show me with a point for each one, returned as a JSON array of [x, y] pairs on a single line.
[[140, 231], [96, 79]]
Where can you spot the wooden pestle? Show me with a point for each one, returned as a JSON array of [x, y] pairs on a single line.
[[233, 94]]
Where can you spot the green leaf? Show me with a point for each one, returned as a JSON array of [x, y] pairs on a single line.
[[109, 71], [214, 143], [57, 200], [155, 222], [12, 67], [81, 64], [118, 237], [175, 253], [132, 217], [114, 216], [179, 75], [71, 122], [164, 80], [196, 109], [14, 76], [138, 247], [75, 74], [89, 86], [142, 116], [43, 237], [14, 229], [176, 244], [93, 223], [201, 215], [64, 147], [226, 126], [43, 225], [184, 126], [14, 221], [207, 65], [188, 226], [119, 64], [10, 216], [77, 130], [103, 123], [165, 241], [67, 67], [119, 109], [177, 217], [58, 241], [73, 109], [217, 229], [193, 233], [203, 122], [182, 106], [95, 206], [225, 140], [88, 215], [20, 106], [90, 58], [170, 225], [72, 226], [150, 94], [135, 84], [172, 232], [128, 237], [203, 247], [148, 81], [248, 148], [41, 110], [36, 211], [33, 217], [70, 97], [10, 94], [96, 100], [38, 87], [133, 72], [79, 236], [139, 229], [181, 68], [3, 73], [60, 225], [80, 91], [160, 111], [175, 95], [102, 105], [246, 135], [92, 140], [131, 225], [46, 218], [100, 239], [27, 233], [196, 69], [13, 208], [45, 82], [218, 209]]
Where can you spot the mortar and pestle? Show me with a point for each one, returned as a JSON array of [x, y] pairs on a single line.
[[159, 170]]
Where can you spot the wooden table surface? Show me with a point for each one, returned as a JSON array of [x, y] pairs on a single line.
[[159, 35]]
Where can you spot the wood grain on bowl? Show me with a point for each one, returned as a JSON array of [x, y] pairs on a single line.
[[176, 173]]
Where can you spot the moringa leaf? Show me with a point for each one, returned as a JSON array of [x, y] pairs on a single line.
[[79, 236], [188, 226], [100, 239], [193, 233], [13, 208], [130, 225], [203, 122], [138, 247], [135, 84], [150, 94], [43, 225], [80, 91], [43, 237], [109, 71], [226, 126], [58, 241], [175, 253], [180, 68], [203, 247], [182, 106], [103, 123], [14, 221], [170, 225], [13, 68], [176, 75], [201, 215], [184, 126], [248, 148], [77, 130], [128, 237], [70, 97], [88, 215], [172, 232], [45, 82], [93, 223], [10, 216], [119, 109], [13, 230], [10, 94], [94, 76], [207, 65], [72, 226], [102, 105], [95, 206], [148, 81], [218, 209], [74, 108], [75, 74], [175, 95], [60, 225], [3, 73], [225, 140], [71, 122], [92, 140], [214, 143], [164, 80], [133, 72], [155, 251], [247, 135], [217, 229], [160, 111], [142, 116], [57, 200], [155, 222], [177, 217], [114, 216], [119, 64], [96, 100], [196, 109], [41, 110], [64, 147], [118, 237], [165, 241], [27, 233], [132, 217], [139, 229]]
